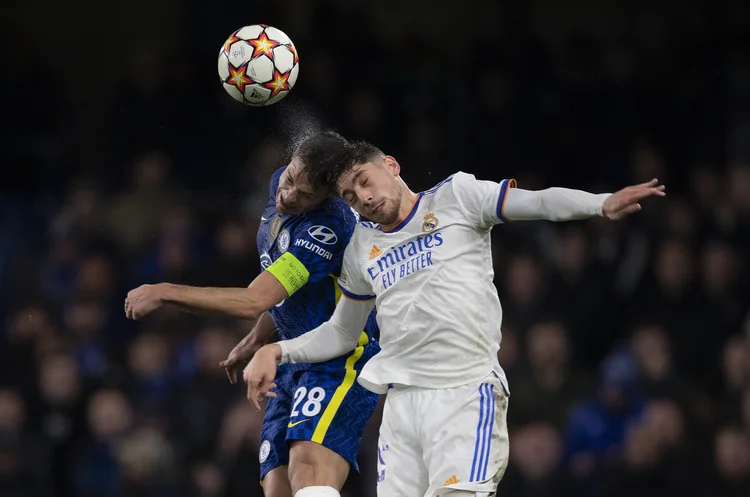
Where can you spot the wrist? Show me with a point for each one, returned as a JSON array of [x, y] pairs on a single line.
[[166, 293], [253, 341], [275, 351]]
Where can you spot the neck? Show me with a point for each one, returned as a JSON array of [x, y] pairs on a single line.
[[407, 202]]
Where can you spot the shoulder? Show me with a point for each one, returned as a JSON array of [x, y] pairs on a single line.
[[454, 185], [445, 193], [443, 186], [332, 220]]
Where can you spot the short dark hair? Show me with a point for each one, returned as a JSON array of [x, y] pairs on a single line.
[[359, 153], [321, 153]]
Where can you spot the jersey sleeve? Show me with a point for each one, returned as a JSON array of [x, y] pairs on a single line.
[[352, 282], [481, 201], [315, 250]]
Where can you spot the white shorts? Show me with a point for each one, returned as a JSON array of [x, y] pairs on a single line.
[[436, 442]]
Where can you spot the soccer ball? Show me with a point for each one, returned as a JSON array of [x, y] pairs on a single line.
[[258, 65]]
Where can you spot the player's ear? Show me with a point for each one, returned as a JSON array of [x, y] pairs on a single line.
[[392, 165]]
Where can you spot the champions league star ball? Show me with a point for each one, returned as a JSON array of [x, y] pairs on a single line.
[[258, 65]]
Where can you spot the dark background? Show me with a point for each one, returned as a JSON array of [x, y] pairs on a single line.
[[124, 162]]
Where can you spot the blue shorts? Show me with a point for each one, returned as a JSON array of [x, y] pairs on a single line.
[[322, 403]]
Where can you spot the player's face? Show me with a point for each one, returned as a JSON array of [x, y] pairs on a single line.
[[374, 190], [295, 194]]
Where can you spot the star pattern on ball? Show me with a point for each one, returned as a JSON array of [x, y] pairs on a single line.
[[239, 78], [294, 53], [230, 41], [263, 45], [279, 83]]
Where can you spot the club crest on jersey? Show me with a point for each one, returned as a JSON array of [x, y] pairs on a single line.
[[265, 261], [430, 222], [275, 226], [265, 450], [283, 242]]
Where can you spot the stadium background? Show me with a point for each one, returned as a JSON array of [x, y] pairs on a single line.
[[124, 162]]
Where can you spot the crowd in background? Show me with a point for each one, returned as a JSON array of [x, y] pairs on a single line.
[[627, 345]]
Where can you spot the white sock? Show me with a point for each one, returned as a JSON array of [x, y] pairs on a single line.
[[317, 492]]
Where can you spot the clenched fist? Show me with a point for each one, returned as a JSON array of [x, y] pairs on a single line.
[[143, 300]]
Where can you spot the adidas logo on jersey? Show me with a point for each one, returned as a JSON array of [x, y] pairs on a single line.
[[450, 481], [375, 252]]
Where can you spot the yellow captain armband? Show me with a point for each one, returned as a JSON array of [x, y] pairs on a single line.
[[290, 272]]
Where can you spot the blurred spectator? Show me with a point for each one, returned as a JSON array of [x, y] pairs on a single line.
[[547, 389], [535, 468], [238, 445], [523, 292], [596, 429], [147, 461], [134, 216], [60, 416], [579, 289], [150, 383], [658, 376], [208, 480], [720, 271], [655, 457], [732, 452], [238, 260], [203, 398], [23, 457]]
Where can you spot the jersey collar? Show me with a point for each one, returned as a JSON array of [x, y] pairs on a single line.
[[408, 217]]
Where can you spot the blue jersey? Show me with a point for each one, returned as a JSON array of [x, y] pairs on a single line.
[[321, 402], [316, 241]]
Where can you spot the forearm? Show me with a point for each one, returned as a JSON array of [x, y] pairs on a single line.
[[213, 301], [322, 344], [333, 338], [552, 204], [262, 331]]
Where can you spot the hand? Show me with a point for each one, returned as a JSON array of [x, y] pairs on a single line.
[[240, 354], [260, 373], [143, 300], [625, 202]]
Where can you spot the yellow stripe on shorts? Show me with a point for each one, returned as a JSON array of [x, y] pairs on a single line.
[[338, 396]]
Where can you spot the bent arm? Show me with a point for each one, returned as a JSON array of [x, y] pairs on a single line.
[[552, 204], [246, 303], [333, 338], [262, 331]]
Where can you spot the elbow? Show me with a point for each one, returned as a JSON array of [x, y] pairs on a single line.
[[250, 312], [249, 307], [348, 340]]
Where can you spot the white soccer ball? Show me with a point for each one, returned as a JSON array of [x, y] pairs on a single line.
[[258, 65]]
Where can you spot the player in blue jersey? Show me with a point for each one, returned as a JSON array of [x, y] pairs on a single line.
[[313, 427]]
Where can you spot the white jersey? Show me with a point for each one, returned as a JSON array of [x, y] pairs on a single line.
[[438, 310]]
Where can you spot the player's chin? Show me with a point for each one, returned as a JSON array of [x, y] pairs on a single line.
[[386, 219], [286, 209]]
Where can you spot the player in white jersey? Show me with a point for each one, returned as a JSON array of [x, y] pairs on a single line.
[[425, 262]]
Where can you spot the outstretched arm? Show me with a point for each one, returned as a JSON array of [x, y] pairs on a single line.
[[562, 204], [246, 303], [332, 339]]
